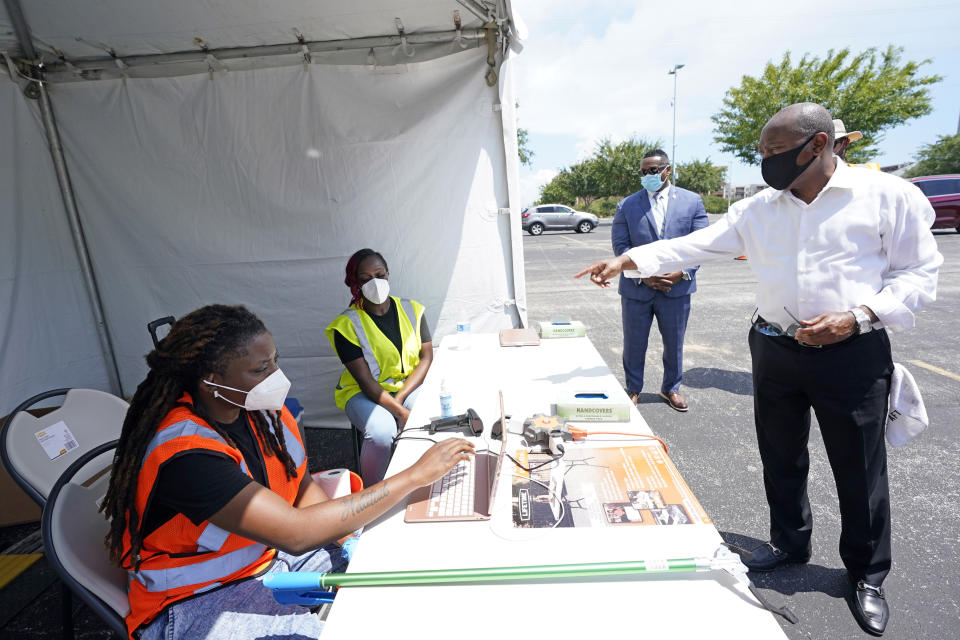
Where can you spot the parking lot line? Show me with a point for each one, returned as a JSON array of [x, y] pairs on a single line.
[[930, 367], [575, 240]]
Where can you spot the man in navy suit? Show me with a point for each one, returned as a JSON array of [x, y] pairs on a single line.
[[659, 210]]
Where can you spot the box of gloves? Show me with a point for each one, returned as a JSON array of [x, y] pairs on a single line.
[[562, 329], [592, 406]]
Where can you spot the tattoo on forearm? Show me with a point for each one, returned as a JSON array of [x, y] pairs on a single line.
[[354, 505]]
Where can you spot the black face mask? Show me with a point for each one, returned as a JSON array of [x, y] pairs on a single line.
[[781, 169]]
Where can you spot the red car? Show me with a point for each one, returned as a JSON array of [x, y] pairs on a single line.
[[944, 194]]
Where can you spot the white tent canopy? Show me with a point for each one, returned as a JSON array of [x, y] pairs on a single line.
[[239, 152]]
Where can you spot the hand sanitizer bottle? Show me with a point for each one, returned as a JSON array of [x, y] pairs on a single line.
[[463, 335], [446, 401]]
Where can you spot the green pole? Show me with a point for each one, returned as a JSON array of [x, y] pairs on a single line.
[[496, 574]]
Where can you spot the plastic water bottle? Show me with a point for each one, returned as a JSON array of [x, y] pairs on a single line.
[[463, 335], [446, 401]]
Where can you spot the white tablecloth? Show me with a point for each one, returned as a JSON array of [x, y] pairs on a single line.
[[708, 604]]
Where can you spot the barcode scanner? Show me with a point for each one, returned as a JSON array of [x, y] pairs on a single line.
[[496, 431], [469, 421]]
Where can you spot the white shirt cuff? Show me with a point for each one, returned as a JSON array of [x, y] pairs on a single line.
[[891, 312], [646, 264]]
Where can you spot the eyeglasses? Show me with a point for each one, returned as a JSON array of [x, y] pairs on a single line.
[[838, 142], [774, 329], [653, 170]]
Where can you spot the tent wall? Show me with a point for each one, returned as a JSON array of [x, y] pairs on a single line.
[[47, 334], [254, 188]]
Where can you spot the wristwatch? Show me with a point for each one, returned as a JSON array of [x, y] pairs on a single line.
[[685, 275], [864, 323]]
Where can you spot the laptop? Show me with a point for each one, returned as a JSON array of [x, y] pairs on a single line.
[[465, 492], [519, 338]]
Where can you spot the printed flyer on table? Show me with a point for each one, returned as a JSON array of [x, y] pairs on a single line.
[[601, 487]]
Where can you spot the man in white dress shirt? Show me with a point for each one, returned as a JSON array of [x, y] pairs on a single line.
[[849, 252]]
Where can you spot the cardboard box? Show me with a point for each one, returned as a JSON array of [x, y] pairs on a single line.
[[592, 406], [17, 506]]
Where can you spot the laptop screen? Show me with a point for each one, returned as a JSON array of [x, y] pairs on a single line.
[[495, 475]]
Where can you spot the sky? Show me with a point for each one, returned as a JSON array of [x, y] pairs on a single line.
[[598, 68]]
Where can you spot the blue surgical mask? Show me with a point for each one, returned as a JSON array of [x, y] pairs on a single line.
[[652, 183]]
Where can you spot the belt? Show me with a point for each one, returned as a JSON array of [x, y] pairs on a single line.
[[772, 330]]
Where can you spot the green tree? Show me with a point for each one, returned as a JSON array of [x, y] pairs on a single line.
[[611, 171], [715, 204], [871, 92], [557, 191], [573, 185], [526, 155], [583, 182], [943, 156], [700, 176], [604, 207]]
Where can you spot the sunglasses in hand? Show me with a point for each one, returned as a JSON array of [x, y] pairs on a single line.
[[774, 329]]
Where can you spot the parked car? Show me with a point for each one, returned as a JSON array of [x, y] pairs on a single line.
[[536, 220], [943, 192]]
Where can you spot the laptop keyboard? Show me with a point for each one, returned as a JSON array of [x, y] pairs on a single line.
[[452, 495]]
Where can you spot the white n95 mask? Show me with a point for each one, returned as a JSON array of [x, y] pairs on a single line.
[[269, 393], [376, 290]]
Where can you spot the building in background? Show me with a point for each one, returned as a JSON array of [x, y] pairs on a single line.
[[740, 191], [898, 169]]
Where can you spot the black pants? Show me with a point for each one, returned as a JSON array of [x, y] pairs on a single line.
[[847, 384]]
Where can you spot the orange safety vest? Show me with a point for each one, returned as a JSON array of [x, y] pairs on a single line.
[[181, 559]]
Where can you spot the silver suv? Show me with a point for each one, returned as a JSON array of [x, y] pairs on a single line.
[[538, 219]]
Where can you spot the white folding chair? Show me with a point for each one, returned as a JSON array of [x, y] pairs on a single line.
[[73, 531], [92, 417]]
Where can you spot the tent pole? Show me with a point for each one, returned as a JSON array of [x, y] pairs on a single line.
[[508, 122], [257, 51], [66, 192]]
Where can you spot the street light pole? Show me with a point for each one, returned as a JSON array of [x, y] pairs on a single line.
[[673, 156]]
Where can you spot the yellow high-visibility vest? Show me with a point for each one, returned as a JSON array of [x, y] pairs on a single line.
[[388, 366]]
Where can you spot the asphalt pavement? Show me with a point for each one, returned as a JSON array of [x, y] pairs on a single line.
[[714, 444]]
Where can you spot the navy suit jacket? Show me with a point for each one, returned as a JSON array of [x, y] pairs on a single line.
[[633, 225]]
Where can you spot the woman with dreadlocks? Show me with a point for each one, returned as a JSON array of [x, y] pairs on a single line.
[[210, 486], [385, 346]]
